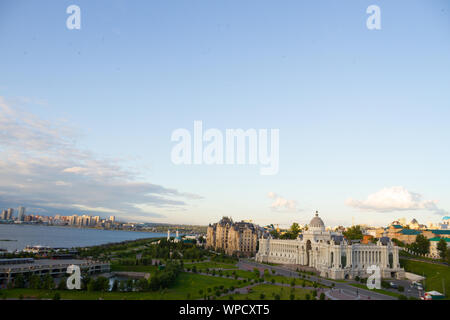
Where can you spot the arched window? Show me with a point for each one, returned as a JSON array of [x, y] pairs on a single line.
[[343, 259], [391, 260]]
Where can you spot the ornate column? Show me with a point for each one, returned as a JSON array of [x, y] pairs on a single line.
[[349, 257], [395, 258]]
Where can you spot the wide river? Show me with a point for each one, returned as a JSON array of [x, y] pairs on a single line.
[[19, 236]]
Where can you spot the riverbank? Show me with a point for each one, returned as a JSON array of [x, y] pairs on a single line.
[[21, 236]]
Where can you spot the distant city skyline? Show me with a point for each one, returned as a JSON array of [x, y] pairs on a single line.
[[86, 116], [86, 219]]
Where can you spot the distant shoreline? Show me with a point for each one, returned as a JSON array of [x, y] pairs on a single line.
[[23, 235], [165, 227]]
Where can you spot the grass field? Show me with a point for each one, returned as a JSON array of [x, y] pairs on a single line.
[[187, 287], [436, 275], [118, 267], [286, 280], [388, 293], [211, 265], [241, 274], [269, 292]]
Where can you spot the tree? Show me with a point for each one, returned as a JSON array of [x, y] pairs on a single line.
[[19, 281], [256, 272], [353, 233], [62, 285], [295, 229], [421, 245], [48, 283], [122, 286], [442, 248], [115, 286], [398, 242], [292, 233], [274, 234], [35, 282]]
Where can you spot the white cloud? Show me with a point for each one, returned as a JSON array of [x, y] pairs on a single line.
[[42, 168], [97, 209], [62, 184], [395, 199], [75, 170], [282, 204]]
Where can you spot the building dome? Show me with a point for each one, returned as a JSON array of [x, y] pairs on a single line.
[[316, 223]]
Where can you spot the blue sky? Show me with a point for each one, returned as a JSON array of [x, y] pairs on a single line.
[[360, 112]]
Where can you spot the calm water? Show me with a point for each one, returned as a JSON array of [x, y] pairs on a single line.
[[63, 237]]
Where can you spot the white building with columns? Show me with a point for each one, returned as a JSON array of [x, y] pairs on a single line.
[[331, 254]]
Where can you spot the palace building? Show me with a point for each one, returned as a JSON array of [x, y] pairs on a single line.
[[331, 254]]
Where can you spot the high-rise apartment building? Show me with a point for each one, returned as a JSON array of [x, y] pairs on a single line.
[[9, 214], [21, 214]]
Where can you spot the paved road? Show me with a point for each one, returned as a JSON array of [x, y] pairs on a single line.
[[345, 288]]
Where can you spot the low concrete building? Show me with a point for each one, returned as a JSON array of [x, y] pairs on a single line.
[[10, 268]]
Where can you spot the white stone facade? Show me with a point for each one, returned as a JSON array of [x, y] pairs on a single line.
[[331, 254]]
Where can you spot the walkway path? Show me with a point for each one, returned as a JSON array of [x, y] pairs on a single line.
[[244, 264]]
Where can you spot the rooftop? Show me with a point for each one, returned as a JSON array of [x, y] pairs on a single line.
[[47, 263], [410, 232], [439, 239], [440, 231]]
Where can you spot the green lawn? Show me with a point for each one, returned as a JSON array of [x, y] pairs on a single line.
[[269, 292], [286, 280], [241, 274], [187, 283], [388, 293], [435, 274], [210, 265], [139, 268]]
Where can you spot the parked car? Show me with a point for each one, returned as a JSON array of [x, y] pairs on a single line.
[[417, 285], [393, 285]]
